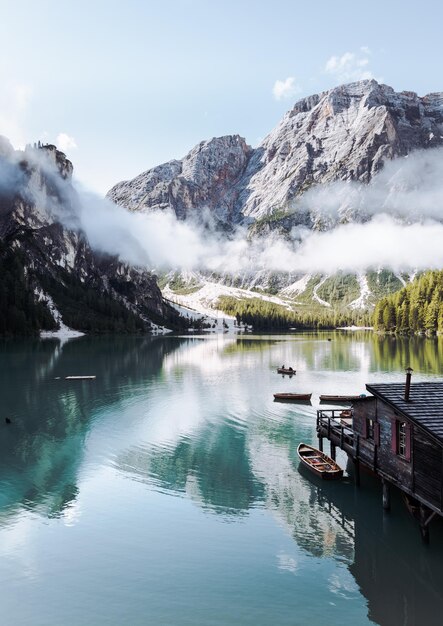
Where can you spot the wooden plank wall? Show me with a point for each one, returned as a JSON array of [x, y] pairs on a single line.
[[428, 468], [390, 463], [381, 457], [362, 410], [422, 474]]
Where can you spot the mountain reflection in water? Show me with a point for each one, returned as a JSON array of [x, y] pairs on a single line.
[[193, 418]]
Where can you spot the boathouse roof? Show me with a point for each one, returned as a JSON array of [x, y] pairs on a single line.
[[425, 404]]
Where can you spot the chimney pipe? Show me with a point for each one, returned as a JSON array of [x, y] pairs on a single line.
[[409, 371]]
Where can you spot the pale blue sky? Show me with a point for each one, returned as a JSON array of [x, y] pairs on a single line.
[[137, 83]]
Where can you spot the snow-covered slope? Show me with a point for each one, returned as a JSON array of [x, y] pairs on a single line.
[[200, 292]]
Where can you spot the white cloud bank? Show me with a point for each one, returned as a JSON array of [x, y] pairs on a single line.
[[350, 66], [159, 241], [403, 229], [284, 89], [65, 142]]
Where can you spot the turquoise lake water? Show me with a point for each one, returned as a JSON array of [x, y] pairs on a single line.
[[168, 490]]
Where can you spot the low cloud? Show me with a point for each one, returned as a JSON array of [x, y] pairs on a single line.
[[65, 142], [284, 89], [400, 227], [350, 66], [409, 187], [380, 243]]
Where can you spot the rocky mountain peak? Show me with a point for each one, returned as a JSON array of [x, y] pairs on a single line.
[[204, 180], [215, 161], [345, 133], [58, 159]]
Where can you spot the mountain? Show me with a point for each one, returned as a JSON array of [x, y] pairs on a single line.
[[50, 278], [345, 134], [207, 179]]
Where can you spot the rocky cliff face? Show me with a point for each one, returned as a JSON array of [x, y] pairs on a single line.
[[345, 133], [42, 245], [207, 179]]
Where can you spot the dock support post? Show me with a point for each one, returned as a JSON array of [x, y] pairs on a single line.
[[424, 523], [333, 449], [386, 496], [357, 461], [320, 444], [357, 472]]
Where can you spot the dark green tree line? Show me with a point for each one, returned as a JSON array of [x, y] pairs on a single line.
[[264, 315], [418, 307]]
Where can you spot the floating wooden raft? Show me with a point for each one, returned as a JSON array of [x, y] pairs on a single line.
[[80, 377]]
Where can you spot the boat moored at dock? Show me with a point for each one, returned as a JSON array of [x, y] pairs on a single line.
[[319, 463], [293, 397], [342, 398]]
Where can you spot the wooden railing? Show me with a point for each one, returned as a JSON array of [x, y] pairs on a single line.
[[331, 424]]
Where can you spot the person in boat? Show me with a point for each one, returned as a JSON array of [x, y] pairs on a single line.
[[290, 369]]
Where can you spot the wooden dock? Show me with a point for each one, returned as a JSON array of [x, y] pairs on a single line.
[[399, 437]]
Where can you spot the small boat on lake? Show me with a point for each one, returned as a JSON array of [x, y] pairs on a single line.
[[325, 398], [293, 397], [319, 463], [286, 370]]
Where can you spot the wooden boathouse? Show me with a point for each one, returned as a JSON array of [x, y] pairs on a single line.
[[398, 434]]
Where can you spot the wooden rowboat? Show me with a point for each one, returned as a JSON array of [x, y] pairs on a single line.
[[341, 398], [286, 370], [293, 397], [319, 463]]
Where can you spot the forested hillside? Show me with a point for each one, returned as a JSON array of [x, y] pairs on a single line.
[[49, 273], [262, 315], [418, 307]]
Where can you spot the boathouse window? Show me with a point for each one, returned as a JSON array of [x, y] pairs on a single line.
[[401, 426], [401, 439], [371, 430]]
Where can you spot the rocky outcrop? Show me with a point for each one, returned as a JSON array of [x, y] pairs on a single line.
[[203, 184], [346, 133], [39, 230]]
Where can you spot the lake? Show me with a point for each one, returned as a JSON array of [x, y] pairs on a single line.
[[168, 490]]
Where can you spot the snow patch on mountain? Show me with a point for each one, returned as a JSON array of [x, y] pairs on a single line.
[[362, 301], [204, 300], [315, 295], [63, 331], [297, 287]]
